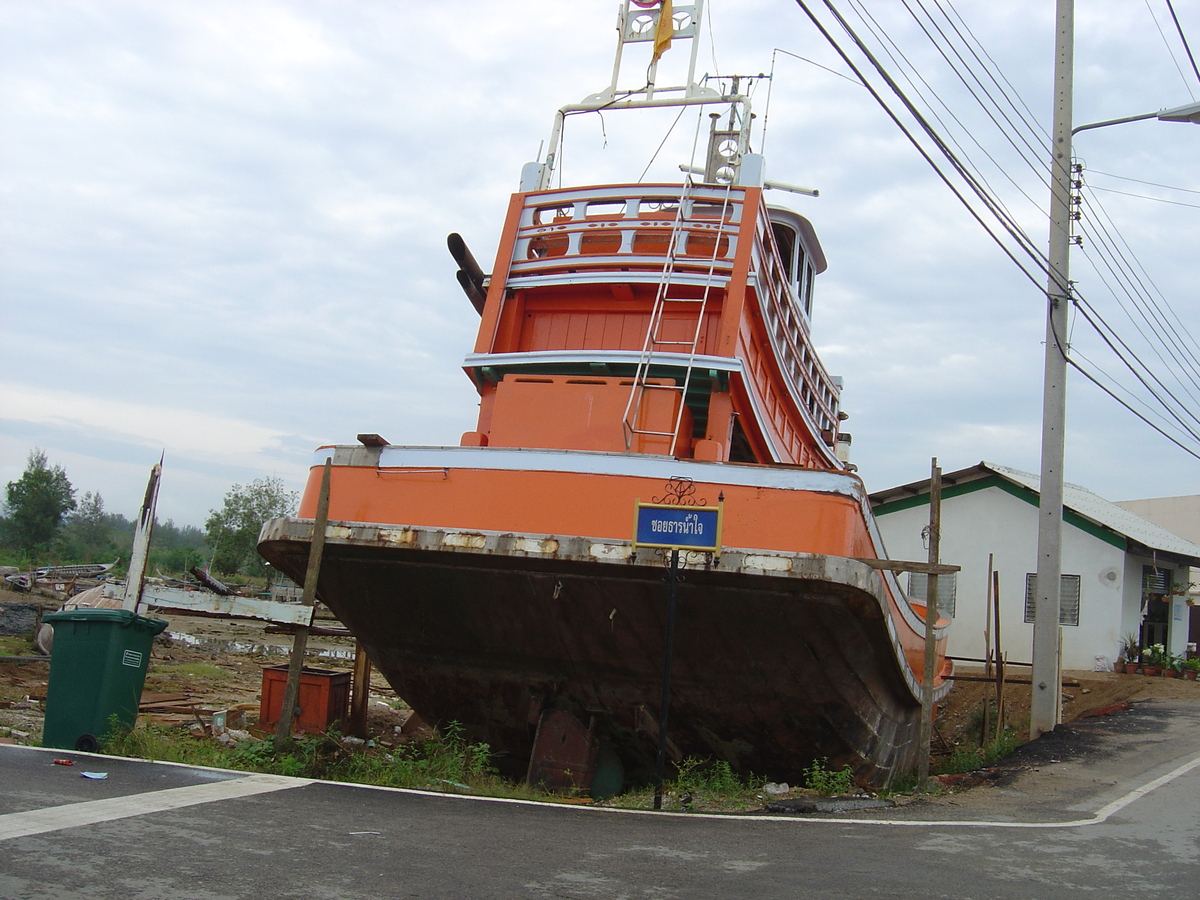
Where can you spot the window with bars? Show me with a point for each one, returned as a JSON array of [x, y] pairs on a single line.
[[947, 591], [1156, 581], [1068, 598]]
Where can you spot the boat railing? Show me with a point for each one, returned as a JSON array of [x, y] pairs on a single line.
[[789, 332], [607, 229]]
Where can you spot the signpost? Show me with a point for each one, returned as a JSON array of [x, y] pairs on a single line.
[[673, 527]]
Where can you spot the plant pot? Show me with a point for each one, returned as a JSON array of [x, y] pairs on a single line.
[[1170, 673], [1131, 668], [1152, 670], [1190, 674]]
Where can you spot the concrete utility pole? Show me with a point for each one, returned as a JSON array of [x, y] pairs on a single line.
[[931, 620], [1045, 710]]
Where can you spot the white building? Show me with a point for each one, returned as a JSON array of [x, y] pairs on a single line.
[[1122, 574]]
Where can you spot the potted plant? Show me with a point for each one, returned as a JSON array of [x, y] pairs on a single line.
[[1191, 668], [1172, 666], [1154, 658], [1130, 651]]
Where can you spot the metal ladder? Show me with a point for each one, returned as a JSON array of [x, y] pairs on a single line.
[[655, 345]]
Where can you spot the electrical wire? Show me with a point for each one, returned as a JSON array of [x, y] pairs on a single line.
[[1169, 187], [1183, 37], [1171, 379], [1040, 265], [1170, 52], [1146, 197]]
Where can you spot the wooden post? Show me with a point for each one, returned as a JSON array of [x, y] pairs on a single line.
[[359, 691], [665, 706], [291, 692], [931, 618], [987, 652], [139, 555]]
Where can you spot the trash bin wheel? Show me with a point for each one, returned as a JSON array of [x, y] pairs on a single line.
[[87, 743]]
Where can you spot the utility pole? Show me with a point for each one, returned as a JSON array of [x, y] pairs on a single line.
[[1045, 708], [931, 619]]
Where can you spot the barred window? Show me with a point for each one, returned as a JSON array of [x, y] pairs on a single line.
[[947, 590], [1068, 598], [1156, 580]]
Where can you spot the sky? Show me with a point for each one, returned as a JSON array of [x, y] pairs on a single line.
[[223, 226]]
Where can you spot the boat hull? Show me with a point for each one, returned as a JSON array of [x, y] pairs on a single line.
[[780, 657]]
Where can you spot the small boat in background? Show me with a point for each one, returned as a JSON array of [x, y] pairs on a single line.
[[639, 343]]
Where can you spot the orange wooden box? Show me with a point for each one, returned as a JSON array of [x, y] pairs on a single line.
[[324, 698]]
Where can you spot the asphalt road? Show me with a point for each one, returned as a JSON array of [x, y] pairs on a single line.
[[1112, 806]]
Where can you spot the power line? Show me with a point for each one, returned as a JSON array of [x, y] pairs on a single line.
[[1145, 197], [1183, 38], [1169, 187]]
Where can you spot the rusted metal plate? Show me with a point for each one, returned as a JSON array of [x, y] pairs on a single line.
[[564, 753]]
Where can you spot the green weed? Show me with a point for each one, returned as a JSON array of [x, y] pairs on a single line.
[[822, 780], [968, 760], [699, 784]]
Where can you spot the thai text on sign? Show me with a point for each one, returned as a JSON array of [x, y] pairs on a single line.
[[678, 527]]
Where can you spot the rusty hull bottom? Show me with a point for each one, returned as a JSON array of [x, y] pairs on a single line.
[[770, 672]]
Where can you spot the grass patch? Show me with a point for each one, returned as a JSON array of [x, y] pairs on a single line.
[[699, 785], [971, 759], [15, 645], [447, 762], [192, 670]]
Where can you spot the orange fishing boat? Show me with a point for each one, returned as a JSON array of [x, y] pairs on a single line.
[[638, 343]]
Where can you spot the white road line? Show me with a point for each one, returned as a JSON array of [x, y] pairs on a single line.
[[92, 812]]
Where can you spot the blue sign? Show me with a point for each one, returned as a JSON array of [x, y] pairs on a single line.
[[678, 527]]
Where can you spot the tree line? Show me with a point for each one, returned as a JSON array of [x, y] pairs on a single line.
[[43, 522]]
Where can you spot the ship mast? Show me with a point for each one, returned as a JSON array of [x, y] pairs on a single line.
[[642, 22]]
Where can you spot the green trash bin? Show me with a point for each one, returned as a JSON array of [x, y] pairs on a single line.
[[97, 669]]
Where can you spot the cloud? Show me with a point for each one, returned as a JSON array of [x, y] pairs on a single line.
[[222, 226]]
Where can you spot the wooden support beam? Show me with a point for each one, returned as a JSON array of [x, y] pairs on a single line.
[[899, 565], [291, 692], [360, 690]]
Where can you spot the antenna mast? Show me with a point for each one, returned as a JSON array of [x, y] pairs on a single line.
[[642, 22]]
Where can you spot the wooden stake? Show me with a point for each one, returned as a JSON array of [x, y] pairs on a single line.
[[291, 692], [360, 689], [1003, 664]]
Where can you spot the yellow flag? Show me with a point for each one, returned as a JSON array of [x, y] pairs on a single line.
[[665, 30]]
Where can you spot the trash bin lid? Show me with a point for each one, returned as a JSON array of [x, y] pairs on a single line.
[[122, 618]]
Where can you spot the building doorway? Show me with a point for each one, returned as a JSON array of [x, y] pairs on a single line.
[[1156, 606]]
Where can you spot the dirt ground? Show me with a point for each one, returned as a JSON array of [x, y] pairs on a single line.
[[217, 665]]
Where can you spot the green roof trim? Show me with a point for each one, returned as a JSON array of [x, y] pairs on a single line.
[[1019, 491]]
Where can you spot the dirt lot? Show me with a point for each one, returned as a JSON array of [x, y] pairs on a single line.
[[218, 665]]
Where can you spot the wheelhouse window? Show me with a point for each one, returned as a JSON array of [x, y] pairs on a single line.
[[785, 240], [797, 267]]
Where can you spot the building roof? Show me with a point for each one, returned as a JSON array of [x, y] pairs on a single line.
[[1087, 506]]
